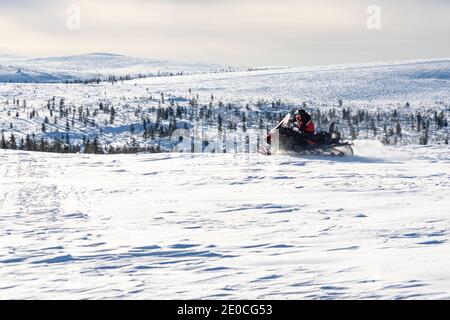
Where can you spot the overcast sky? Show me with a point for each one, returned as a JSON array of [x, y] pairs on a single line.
[[236, 32]]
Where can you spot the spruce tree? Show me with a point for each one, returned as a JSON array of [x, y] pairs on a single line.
[[3, 141], [12, 142]]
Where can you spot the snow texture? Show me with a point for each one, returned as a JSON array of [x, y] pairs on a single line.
[[226, 226]]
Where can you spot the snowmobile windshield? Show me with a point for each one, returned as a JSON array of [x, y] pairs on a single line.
[[284, 122]]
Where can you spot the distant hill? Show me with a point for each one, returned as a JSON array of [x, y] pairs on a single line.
[[96, 65]]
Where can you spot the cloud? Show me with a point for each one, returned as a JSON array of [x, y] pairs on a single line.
[[244, 32]]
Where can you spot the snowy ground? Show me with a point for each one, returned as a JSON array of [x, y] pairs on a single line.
[[226, 226]]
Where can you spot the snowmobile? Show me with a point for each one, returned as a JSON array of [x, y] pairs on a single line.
[[286, 137]]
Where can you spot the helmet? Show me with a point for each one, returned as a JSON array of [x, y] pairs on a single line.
[[300, 112]]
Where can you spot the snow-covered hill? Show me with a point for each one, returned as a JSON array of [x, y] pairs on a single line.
[[421, 81], [95, 66], [226, 226], [23, 75], [400, 103]]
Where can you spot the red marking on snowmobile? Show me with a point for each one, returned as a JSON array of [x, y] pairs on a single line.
[[312, 142]]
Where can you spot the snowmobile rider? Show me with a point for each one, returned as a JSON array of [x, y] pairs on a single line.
[[303, 122]]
